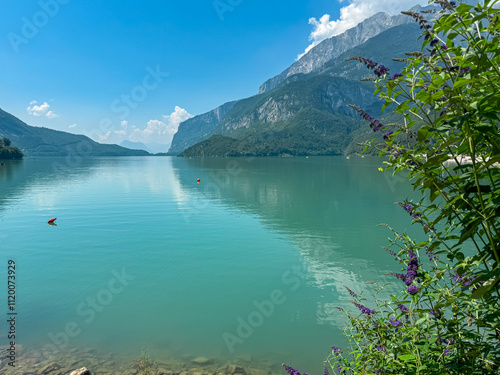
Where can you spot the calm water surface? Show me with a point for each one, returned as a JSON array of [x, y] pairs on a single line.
[[249, 262]]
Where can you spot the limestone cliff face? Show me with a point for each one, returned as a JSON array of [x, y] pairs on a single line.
[[325, 93], [198, 128], [270, 111]]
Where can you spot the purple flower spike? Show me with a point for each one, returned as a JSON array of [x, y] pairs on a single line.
[[465, 280], [412, 274], [412, 266], [386, 135], [430, 253], [381, 71], [413, 289], [403, 308], [354, 295], [396, 76], [406, 207], [369, 63], [336, 351], [291, 370], [396, 323], [374, 123], [364, 310], [400, 276]]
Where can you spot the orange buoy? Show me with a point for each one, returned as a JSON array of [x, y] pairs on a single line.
[[198, 180], [52, 220]]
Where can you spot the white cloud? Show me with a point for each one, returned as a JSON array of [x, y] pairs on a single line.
[[351, 15], [40, 110], [176, 117], [51, 114], [156, 131], [161, 131], [72, 126], [37, 110]]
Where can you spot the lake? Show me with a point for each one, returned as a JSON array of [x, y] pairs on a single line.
[[246, 265]]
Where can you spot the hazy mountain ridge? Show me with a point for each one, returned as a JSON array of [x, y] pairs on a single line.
[[37, 141], [134, 145]]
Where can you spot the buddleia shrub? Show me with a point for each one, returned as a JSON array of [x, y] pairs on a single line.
[[446, 318]]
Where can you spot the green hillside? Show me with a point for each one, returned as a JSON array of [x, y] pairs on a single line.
[[35, 141]]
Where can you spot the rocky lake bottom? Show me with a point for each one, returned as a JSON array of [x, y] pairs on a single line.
[[32, 362]]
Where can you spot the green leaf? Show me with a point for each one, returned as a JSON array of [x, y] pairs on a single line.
[[485, 288], [423, 133], [435, 160], [384, 106], [420, 321], [407, 357]]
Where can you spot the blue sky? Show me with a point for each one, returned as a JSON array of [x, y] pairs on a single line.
[[134, 69]]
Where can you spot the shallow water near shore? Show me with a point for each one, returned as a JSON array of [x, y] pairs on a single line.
[[247, 265]]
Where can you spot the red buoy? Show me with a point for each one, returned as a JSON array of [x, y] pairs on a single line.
[[52, 220], [198, 180]]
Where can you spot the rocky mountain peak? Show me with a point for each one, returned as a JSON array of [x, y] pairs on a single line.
[[333, 47]]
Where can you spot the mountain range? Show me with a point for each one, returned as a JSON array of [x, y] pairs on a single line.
[[301, 111], [37, 141], [304, 110]]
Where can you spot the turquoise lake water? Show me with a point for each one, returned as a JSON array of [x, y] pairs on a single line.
[[250, 262]]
